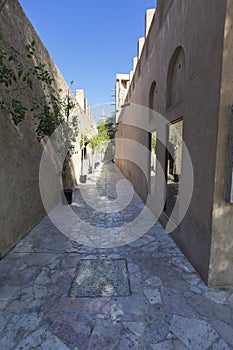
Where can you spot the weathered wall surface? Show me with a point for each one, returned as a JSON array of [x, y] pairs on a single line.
[[20, 201], [179, 75], [221, 262]]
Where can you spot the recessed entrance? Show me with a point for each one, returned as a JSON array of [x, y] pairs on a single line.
[[173, 169], [152, 163]]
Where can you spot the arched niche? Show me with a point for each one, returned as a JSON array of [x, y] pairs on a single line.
[[176, 78]]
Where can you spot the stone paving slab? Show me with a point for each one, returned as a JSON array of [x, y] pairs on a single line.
[[100, 278], [169, 306]]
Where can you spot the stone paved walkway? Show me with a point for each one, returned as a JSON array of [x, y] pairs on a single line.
[[169, 306]]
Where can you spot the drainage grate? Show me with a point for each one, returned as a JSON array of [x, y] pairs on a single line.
[[100, 278]]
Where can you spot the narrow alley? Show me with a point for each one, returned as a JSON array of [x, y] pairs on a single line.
[[59, 293]]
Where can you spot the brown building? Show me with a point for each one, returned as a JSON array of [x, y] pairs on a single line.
[[185, 73]]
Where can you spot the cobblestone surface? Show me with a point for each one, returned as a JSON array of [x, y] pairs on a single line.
[[169, 307]]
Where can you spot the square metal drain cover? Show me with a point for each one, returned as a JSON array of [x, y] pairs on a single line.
[[101, 278]]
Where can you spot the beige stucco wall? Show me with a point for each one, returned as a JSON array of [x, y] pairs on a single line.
[[198, 28], [221, 262], [21, 205]]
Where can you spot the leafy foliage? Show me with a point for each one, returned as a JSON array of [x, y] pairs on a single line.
[[14, 79], [84, 140], [106, 131], [28, 89], [95, 141], [153, 141]]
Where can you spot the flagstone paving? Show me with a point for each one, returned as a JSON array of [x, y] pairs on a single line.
[[169, 307]]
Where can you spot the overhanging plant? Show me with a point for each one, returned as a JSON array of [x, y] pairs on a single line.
[[28, 90], [70, 132]]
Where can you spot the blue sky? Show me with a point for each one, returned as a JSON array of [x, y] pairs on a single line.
[[90, 41]]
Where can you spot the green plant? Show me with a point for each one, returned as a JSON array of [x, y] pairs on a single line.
[[69, 132], [95, 141], [84, 140], [106, 129], [28, 90], [153, 142], [14, 78]]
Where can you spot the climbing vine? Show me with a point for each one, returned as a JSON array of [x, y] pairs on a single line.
[[28, 89]]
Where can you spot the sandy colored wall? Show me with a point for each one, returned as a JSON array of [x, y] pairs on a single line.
[[21, 205], [221, 262], [198, 29]]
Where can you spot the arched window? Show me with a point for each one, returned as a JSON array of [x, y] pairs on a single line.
[[176, 78]]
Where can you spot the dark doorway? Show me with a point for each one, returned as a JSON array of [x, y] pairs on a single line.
[[173, 169]]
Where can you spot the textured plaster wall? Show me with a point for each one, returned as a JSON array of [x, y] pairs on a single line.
[[197, 28], [221, 262], [21, 205]]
